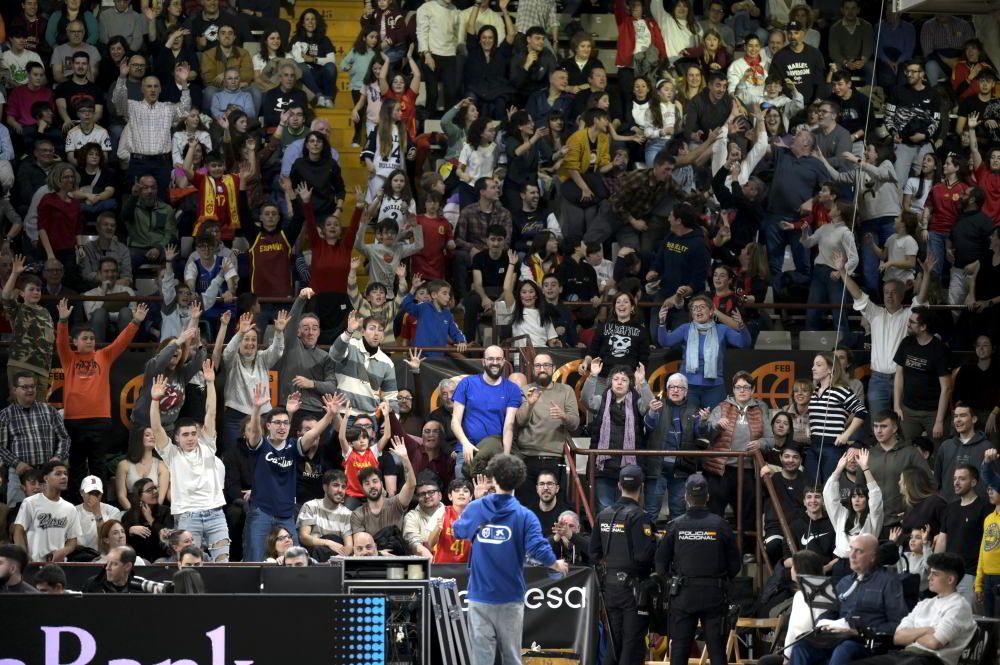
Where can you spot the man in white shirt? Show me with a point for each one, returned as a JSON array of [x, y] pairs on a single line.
[[888, 326], [93, 512], [439, 32], [939, 628], [419, 523], [100, 313], [196, 474], [47, 525], [320, 521]]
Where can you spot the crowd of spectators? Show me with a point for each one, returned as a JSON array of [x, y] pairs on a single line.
[[732, 154]]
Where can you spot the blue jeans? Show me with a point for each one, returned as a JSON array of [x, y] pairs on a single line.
[[653, 148], [321, 79], [209, 529], [777, 239], [880, 228], [701, 396], [668, 483], [496, 628], [607, 492], [879, 393], [936, 247], [15, 490], [256, 528], [844, 653], [823, 289], [822, 463]]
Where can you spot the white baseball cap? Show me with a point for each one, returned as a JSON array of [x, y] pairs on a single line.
[[92, 484]]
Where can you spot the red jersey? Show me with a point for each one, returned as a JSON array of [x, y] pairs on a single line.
[[990, 183], [944, 201], [271, 265], [407, 109], [431, 261], [352, 467], [330, 263], [450, 549], [218, 200]]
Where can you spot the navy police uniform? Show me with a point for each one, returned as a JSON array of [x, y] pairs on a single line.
[[624, 543], [700, 554]]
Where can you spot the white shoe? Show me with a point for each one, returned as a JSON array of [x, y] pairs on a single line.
[[324, 101]]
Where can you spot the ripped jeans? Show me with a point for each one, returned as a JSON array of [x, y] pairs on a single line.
[[209, 529]]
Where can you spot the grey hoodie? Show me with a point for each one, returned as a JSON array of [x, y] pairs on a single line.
[[953, 453]]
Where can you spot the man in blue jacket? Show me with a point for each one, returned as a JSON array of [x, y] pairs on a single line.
[[503, 533]]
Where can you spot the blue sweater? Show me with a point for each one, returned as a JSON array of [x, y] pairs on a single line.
[[502, 532], [738, 339], [434, 326]]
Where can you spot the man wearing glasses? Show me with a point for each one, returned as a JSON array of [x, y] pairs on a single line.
[[64, 55], [912, 116], [419, 523], [484, 409], [31, 434], [544, 423], [672, 426]]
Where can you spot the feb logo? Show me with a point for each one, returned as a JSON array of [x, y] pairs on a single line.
[[494, 534], [774, 382]]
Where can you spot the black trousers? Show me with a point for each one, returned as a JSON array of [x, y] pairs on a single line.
[[722, 491], [90, 442], [900, 658], [628, 627], [446, 71], [236, 518], [691, 605]]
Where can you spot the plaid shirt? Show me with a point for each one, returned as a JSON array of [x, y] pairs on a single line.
[[638, 193], [150, 126], [33, 435], [541, 13], [473, 222]]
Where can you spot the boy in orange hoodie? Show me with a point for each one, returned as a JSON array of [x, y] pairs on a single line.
[[87, 391]]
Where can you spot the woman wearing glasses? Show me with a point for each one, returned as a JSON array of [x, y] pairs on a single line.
[[146, 519], [704, 340]]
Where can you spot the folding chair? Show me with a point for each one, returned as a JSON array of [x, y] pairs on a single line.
[[819, 594]]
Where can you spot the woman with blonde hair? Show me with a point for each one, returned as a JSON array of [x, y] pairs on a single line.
[[835, 413]]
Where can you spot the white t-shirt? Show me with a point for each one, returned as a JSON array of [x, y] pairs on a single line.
[[911, 187], [396, 209], [48, 524], [479, 162], [88, 523], [196, 478], [16, 65], [898, 248], [76, 138], [531, 326], [643, 38], [325, 522]]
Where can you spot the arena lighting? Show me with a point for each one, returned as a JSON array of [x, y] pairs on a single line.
[[947, 6]]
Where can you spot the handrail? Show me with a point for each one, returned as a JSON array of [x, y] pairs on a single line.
[[579, 498]]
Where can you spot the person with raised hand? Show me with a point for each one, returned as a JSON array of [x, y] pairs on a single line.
[[364, 372], [31, 345]]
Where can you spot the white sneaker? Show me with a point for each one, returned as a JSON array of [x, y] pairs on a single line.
[[324, 101]]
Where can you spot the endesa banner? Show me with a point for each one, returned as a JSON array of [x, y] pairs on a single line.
[[138, 629], [559, 612]]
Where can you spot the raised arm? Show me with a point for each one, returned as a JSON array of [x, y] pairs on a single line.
[[405, 495], [211, 399], [977, 158], [156, 392], [17, 269]]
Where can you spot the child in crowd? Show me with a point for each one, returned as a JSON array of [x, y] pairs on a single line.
[[435, 324], [387, 251], [218, 193], [356, 447], [430, 262], [376, 302]]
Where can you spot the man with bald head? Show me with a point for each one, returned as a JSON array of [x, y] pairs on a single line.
[[150, 123], [485, 406], [364, 544], [546, 419], [870, 597]]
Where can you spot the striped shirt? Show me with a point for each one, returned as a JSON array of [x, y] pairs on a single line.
[[365, 378], [33, 435], [151, 124], [831, 410], [537, 13]]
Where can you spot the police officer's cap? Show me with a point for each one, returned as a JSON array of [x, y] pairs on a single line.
[[631, 477], [696, 486]]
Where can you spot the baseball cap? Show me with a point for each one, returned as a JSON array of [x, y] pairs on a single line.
[[92, 484], [696, 486], [795, 25], [631, 477]]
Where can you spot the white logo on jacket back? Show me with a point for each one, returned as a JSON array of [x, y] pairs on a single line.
[[494, 534]]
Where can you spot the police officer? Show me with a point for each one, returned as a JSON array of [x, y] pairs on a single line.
[[699, 552], [625, 545]]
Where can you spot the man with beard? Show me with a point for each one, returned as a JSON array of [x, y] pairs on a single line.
[[446, 406], [545, 421], [485, 409], [325, 524], [789, 487], [13, 561], [304, 367], [379, 512], [962, 525], [409, 420], [549, 505], [365, 374], [801, 63], [419, 523], [47, 525]]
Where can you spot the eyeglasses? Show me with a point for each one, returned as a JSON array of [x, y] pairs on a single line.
[[430, 430], [547, 483], [150, 489], [742, 387], [284, 536], [544, 365], [29, 387], [676, 387], [281, 423], [426, 493], [404, 398]]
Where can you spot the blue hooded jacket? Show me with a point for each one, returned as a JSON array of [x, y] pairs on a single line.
[[502, 532]]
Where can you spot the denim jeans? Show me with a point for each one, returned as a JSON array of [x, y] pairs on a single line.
[[496, 628], [209, 529], [990, 583], [701, 396], [821, 463], [15, 490], [880, 228], [823, 289], [844, 653], [321, 79], [653, 148], [879, 393], [937, 243], [668, 487], [777, 239], [255, 532], [607, 492]]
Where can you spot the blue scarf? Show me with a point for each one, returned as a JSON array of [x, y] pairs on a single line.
[[711, 368]]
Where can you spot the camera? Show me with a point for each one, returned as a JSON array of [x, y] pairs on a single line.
[[143, 585]]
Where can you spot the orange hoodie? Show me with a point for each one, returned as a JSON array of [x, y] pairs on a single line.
[[87, 376]]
